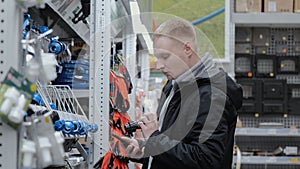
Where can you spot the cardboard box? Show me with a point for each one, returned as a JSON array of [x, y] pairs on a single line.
[[278, 6], [248, 5], [297, 6]]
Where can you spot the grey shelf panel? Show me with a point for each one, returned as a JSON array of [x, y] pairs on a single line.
[[284, 132], [266, 18], [295, 160], [81, 93]]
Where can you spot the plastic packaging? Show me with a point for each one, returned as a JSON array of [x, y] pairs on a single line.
[[6, 106], [17, 113], [45, 146], [28, 149], [60, 140]]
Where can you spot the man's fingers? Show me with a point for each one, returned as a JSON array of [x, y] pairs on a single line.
[[129, 149], [142, 125], [125, 139], [144, 119], [135, 151], [150, 116]]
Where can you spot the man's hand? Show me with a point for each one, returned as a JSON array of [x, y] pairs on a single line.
[[149, 124], [133, 149]]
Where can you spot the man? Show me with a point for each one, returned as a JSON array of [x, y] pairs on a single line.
[[198, 109]]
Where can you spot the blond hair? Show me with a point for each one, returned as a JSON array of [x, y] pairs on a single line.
[[178, 29]]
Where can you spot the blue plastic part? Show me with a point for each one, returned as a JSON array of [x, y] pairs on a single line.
[[37, 98], [83, 128], [68, 127], [25, 114], [33, 27], [53, 106], [56, 46], [76, 127], [43, 29], [59, 125], [93, 128], [25, 24], [26, 21]]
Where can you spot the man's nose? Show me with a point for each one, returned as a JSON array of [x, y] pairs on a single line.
[[159, 65]]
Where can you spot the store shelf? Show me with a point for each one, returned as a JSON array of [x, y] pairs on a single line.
[[81, 93], [266, 140], [263, 132], [295, 160], [80, 28], [265, 18]]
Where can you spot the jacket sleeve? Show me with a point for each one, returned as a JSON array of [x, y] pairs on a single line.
[[204, 144]]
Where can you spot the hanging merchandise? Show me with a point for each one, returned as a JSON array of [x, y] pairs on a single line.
[[83, 13], [56, 46], [118, 66], [120, 84], [118, 92], [26, 25], [117, 156], [110, 161], [28, 150], [15, 95]]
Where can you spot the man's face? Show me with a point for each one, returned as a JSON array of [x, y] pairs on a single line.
[[171, 58]]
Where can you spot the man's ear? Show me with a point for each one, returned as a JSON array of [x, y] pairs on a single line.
[[188, 49]]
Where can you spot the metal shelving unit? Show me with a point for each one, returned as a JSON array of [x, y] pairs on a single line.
[[99, 77], [10, 32], [265, 139], [283, 132], [8, 147], [99, 38], [265, 18], [270, 161]]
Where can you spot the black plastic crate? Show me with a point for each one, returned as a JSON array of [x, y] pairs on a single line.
[[261, 36], [294, 99], [297, 35], [274, 106], [288, 65], [243, 34], [282, 49], [265, 66], [274, 89], [281, 35], [243, 65], [264, 143], [251, 95], [261, 50], [243, 48]]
